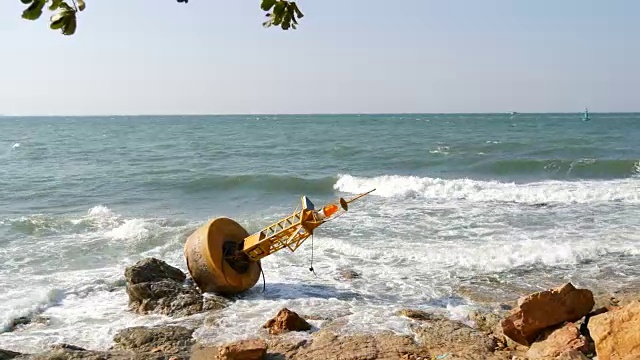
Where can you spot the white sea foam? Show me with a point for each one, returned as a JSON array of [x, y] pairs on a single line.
[[28, 305], [16, 145], [130, 229], [100, 211], [627, 190]]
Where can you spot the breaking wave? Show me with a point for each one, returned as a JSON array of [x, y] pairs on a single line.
[[626, 190]]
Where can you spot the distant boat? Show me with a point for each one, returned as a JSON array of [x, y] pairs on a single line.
[[585, 116]]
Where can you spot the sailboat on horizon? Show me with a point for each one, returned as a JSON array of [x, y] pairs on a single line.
[[585, 115]]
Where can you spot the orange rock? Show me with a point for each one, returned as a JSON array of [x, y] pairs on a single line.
[[541, 310], [572, 355], [244, 350], [559, 341], [286, 320], [617, 333]]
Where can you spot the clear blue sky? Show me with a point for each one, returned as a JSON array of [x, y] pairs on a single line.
[[210, 57]]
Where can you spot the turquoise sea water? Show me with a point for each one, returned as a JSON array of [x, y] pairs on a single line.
[[493, 202]]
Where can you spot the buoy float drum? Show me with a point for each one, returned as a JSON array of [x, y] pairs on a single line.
[[211, 253]]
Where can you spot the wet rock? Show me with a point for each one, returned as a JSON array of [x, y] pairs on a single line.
[[349, 274], [418, 314], [244, 350], [541, 310], [286, 320], [67, 347], [155, 286], [455, 338], [160, 339], [152, 269], [8, 354], [22, 320], [212, 302], [617, 333], [557, 342]]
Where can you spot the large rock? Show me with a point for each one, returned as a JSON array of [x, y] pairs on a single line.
[[244, 350], [617, 333], [541, 310], [152, 269], [160, 339], [328, 345], [8, 354], [443, 336], [571, 355], [155, 286], [559, 341], [286, 320]]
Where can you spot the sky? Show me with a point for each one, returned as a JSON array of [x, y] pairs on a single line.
[[132, 57]]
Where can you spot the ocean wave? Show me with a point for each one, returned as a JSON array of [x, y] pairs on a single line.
[[99, 221], [272, 183], [563, 168], [626, 190], [47, 300], [98, 217]]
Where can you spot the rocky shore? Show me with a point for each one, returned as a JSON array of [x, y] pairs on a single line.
[[563, 323]]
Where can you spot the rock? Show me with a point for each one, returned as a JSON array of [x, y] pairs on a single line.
[[67, 347], [8, 354], [455, 338], [151, 270], [485, 321], [244, 350], [286, 320], [155, 286], [617, 298], [541, 310], [348, 274], [163, 339], [327, 345], [212, 302], [572, 355], [557, 342], [418, 314], [617, 333]]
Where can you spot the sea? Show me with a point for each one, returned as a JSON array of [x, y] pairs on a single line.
[[469, 211]]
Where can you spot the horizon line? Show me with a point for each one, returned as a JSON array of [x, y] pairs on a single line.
[[321, 114]]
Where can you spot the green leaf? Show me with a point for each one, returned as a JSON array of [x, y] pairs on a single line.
[[70, 24], [81, 5], [277, 19], [286, 21], [292, 15], [55, 4], [57, 21], [279, 8], [26, 2], [65, 6], [34, 10], [296, 9], [267, 4]]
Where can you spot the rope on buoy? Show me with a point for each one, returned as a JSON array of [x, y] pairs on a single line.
[[311, 266]]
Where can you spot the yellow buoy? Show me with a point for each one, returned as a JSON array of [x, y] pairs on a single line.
[[209, 252], [223, 258]]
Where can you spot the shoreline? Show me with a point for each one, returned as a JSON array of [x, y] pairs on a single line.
[[478, 336]]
